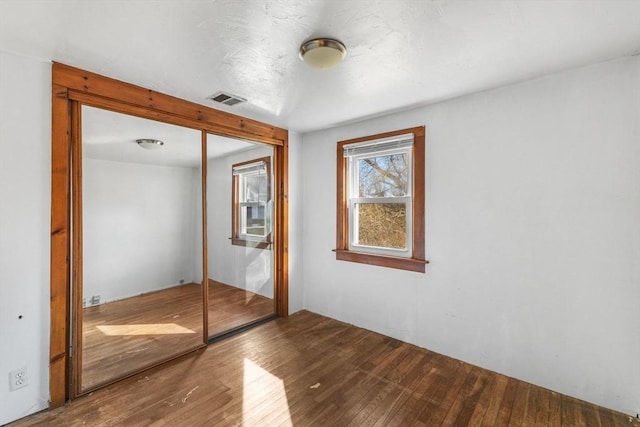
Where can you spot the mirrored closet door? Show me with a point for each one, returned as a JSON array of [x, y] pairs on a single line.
[[136, 248], [240, 233], [140, 278]]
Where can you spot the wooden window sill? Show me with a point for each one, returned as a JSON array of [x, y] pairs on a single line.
[[409, 264], [250, 243]]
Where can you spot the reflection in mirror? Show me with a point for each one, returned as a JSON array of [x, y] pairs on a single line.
[[142, 244], [239, 237]]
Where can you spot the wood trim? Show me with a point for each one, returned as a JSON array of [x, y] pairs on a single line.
[[342, 206], [126, 97], [419, 191], [205, 242], [70, 84], [76, 251], [138, 111], [417, 262], [60, 246], [410, 264], [281, 249], [265, 159], [419, 130], [235, 241]]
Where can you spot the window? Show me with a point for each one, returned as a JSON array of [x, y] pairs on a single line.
[[251, 192], [380, 218]]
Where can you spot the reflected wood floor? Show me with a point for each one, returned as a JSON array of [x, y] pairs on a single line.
[[165, 323], [230, 307], [112, 348], [311, 370]]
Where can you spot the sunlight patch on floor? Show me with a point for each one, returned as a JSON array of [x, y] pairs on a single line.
[[264, 399], [144, 329]]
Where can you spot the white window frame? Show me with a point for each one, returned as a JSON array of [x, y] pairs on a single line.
[[241, 172], [402, 144]]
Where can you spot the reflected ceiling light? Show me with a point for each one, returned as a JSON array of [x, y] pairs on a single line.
[[149, 144], [322, 53]]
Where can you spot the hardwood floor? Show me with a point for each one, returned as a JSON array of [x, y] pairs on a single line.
[[124, 336], [230, 307], [311, 370]]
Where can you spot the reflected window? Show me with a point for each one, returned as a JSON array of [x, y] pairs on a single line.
[[252, 203]]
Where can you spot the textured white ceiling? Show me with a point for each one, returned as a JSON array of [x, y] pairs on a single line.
[[401, 53]]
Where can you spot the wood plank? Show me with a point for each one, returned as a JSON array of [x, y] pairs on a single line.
[[495, 400], [433, 373], [531, 408], [605, 417], [555, 409], [419, 154], [484, 402], [590, 415], [438, 404], [460, 412], [543, 404], [506, 405], [264, 376], [127, 95], [519, 409], [568, 413], [281, 226], [573, 409], [403, 377], [60, 246]]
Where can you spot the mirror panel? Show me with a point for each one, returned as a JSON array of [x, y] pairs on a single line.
[[240, 213], [142, 253]]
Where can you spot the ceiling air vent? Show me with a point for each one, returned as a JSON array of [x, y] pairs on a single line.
[[226, 98]]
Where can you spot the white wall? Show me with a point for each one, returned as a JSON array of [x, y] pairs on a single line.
[[533, 233], [140, 228], [25, 186], [296, 180], [243, 267]]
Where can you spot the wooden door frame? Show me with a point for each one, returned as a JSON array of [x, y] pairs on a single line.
[[73, 87]]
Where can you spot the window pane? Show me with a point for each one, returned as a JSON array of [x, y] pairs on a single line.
[[253, 220], [384, 176], [382, 225], [254, 187]]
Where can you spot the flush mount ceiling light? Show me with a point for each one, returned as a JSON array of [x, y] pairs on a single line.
[[322, 53], [149, 144]]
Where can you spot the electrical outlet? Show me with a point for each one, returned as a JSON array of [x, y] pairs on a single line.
[[18, 379], [95, 300]]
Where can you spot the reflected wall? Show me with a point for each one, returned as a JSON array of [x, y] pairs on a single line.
[[141, 281], [240, 268]]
